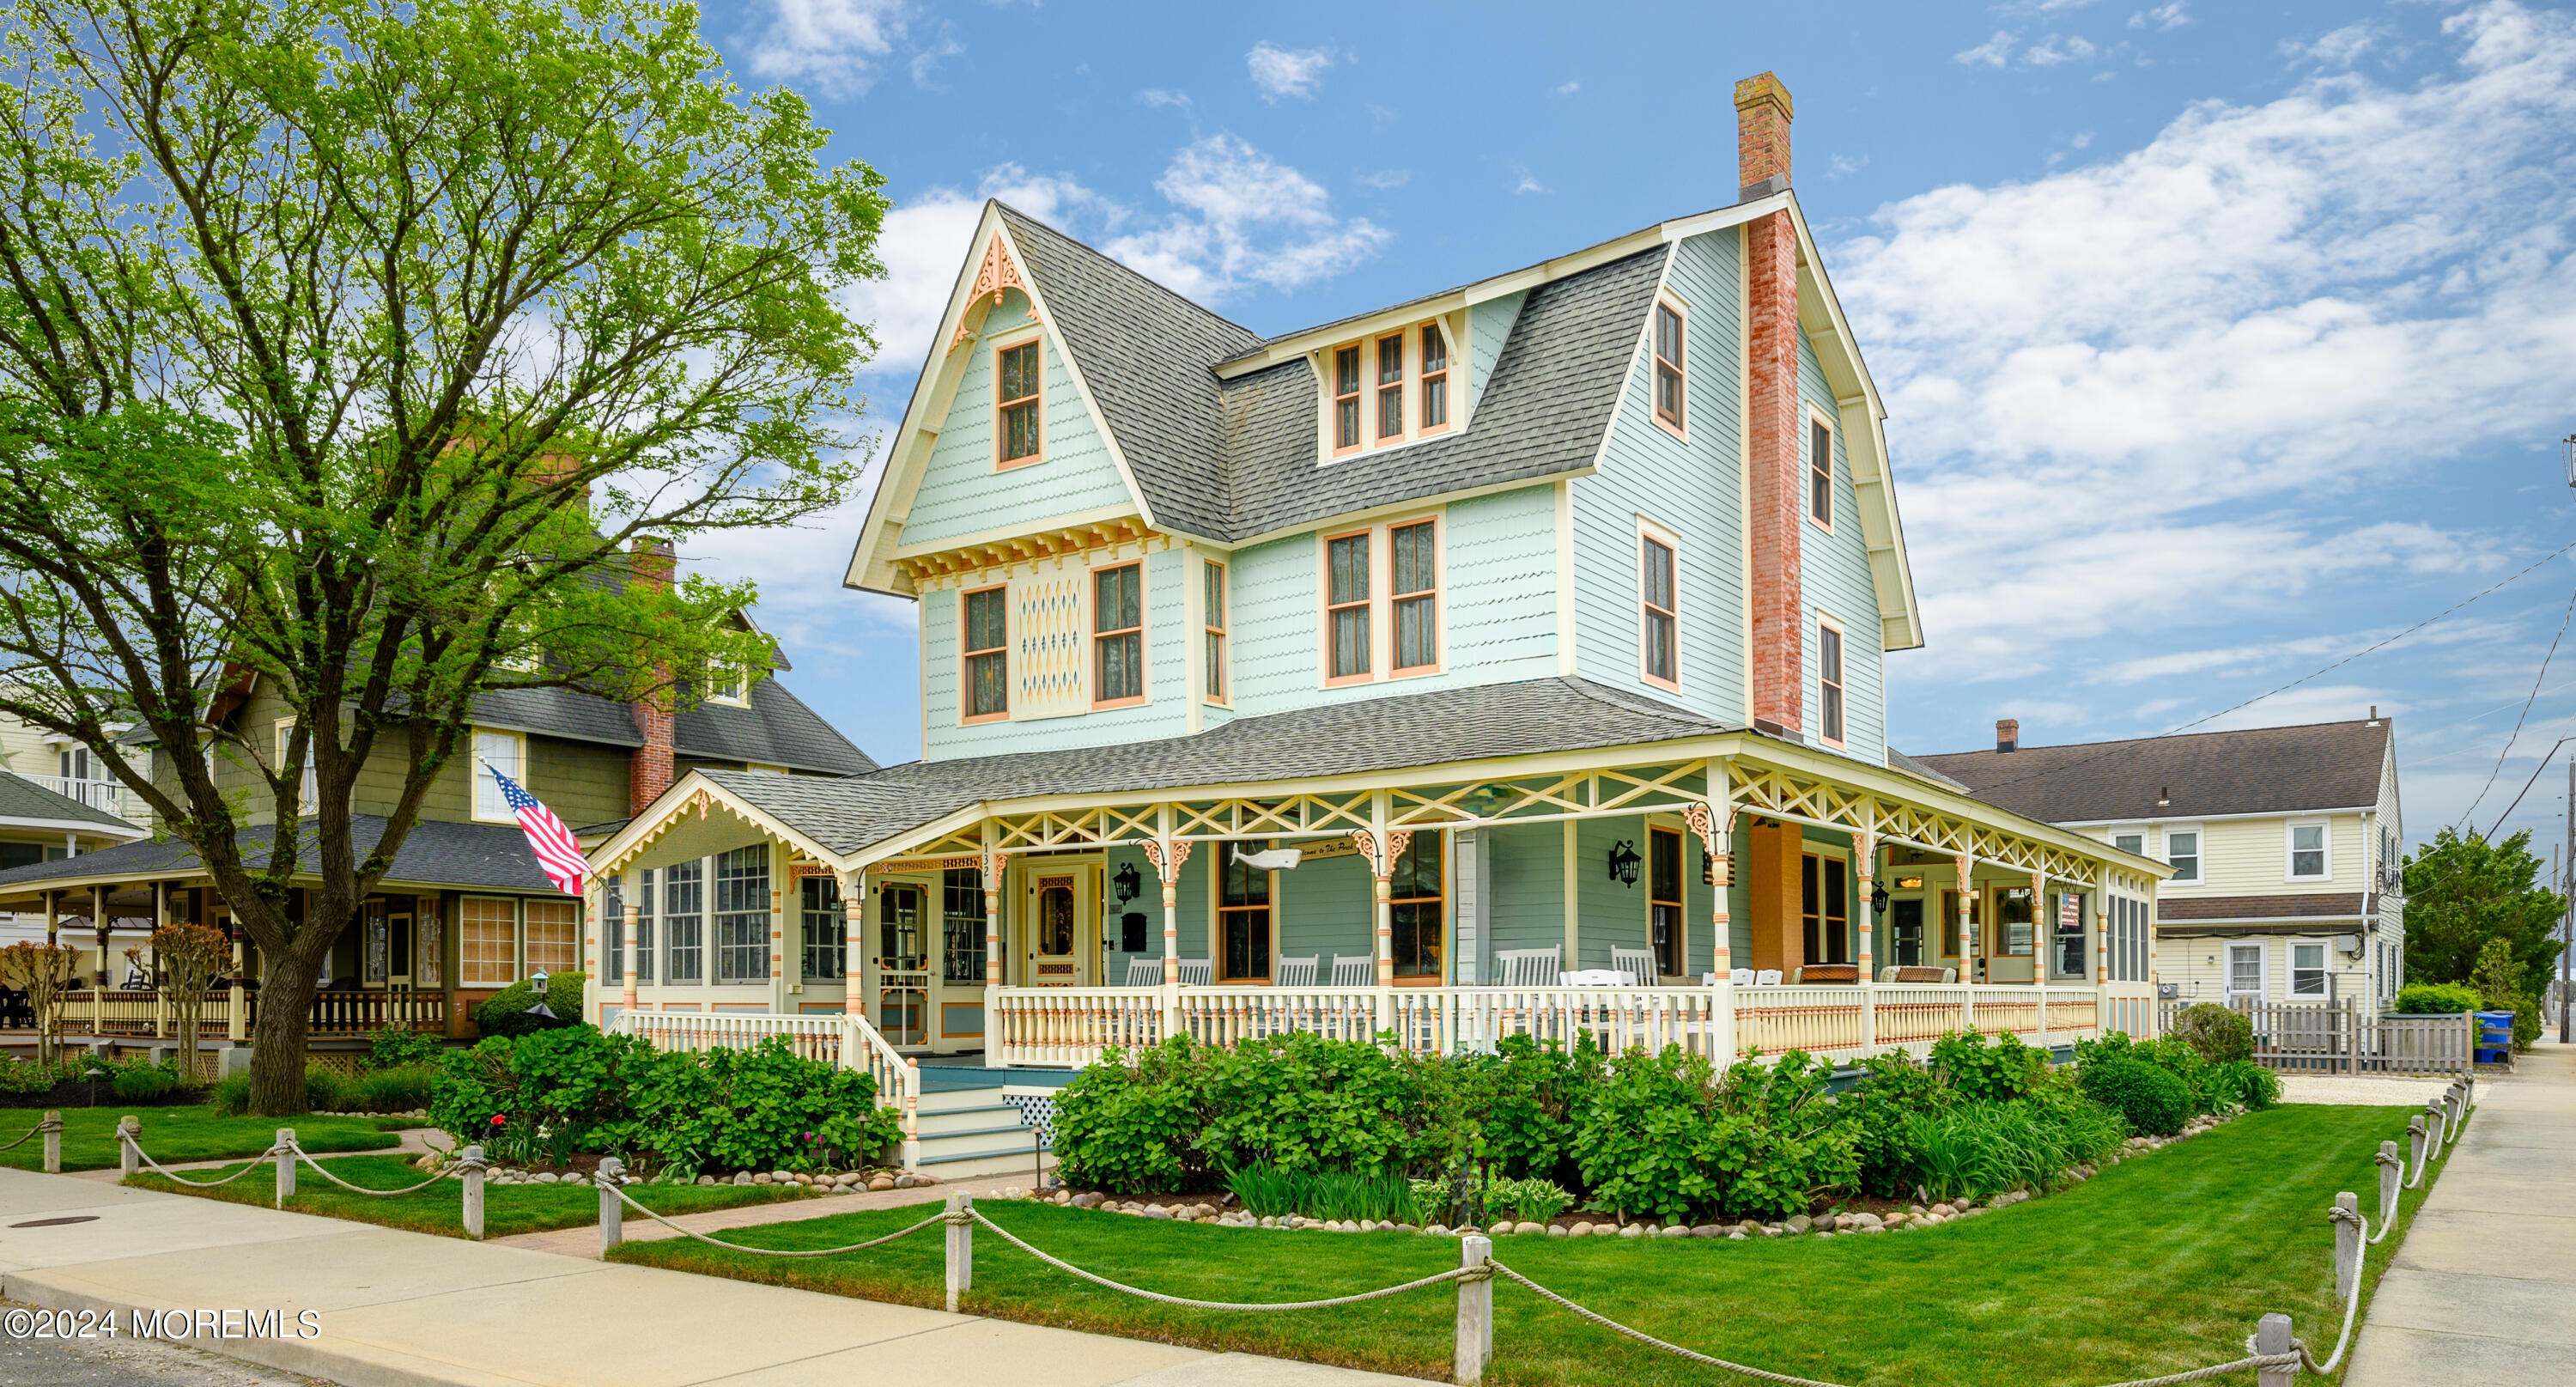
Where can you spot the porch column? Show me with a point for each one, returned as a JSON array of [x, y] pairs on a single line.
[[237, 1021], [2043, 929], [98, 918], [1865, 863], [629, 928], [993, 863], [2101, 927], [1967, 869], [1167, 857], [778, 928], [53, 920], [160, 994], [1714, 822], [854, 954]]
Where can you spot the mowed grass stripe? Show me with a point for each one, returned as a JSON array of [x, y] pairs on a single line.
[[190, 1133], [440, 1208], [2155, 1266]]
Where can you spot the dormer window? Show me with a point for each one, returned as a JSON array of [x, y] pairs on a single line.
[[1387, 389]]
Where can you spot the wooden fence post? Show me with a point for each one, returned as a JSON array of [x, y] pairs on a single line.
[[2347, 1226], [612, 1208], [961, 1247], [2392, 1178], [285, 1154], [473, 1159], [129, 1146], [2272, 1335], [1475, 1311], [2415, 1146], [53, 1142]]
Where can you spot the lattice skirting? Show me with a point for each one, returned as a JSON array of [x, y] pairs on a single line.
[[1037, 1108]]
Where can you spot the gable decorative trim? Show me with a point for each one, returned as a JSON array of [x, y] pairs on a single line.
[[997, 275]]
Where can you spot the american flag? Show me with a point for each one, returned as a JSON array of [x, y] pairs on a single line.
[[558, 852]]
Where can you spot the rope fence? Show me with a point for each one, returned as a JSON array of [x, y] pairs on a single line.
[[51, 1129], [2273, 1352]]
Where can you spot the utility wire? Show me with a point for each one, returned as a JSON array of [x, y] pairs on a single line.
[[2117, 747], [2526, 786], [2523, 717]]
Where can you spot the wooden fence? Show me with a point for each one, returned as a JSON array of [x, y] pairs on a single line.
[[2346, 1037]]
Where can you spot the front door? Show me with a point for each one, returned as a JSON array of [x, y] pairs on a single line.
[[903, 963], [399, 942], [1057, 901], [1905, 932]]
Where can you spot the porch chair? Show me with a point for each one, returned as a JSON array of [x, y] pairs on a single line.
[[1198, 972], [1638, 964], [1295, 972], [1741, 977], [1768, 977], [1354, 970], [1828, 972], [1597, 977], [1529, 967], [1144, 972]]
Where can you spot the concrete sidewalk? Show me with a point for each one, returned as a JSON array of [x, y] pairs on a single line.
[[399, 1309], [2484, 1288]]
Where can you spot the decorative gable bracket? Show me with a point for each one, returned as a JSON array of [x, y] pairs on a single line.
[[997, 275]]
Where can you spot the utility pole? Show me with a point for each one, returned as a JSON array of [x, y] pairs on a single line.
[[2567, 887]]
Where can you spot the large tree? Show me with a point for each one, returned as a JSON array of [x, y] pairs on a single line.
[[2462, 890], [349, 348]]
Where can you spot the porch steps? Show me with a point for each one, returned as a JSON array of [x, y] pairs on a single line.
[[970, 1124]]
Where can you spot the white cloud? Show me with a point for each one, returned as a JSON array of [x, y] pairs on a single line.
[[2163, 18], [1159, 99], [836, 46], [1992, 53], [1523, 181], [1287, 71], [1844, 165], [2342, 47], [2058, 48], [924, 239], [2082, 140], [1384, 179], [1244, 218], [2154, 375], [1569, 88]]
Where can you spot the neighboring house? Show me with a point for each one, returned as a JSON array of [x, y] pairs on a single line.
[[39, 825], [1542, 617], [464, 910], [68, 768], [2284, 842]]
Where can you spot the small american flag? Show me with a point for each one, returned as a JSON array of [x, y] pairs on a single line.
[[558, 852]]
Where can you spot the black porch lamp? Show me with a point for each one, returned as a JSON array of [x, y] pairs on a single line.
[[1878, 897], [1623, 862]]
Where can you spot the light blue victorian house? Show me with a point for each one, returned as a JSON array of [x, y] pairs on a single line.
[[1505, 659]]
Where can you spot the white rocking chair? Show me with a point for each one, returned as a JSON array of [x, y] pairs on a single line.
[[1741, 977], [1528, 967], [1198, 972], [1296, 972], [1144, 972], [1638, 964], [1354, 970], [1768, 977]]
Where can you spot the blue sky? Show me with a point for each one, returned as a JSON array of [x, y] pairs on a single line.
[[2218, 341]]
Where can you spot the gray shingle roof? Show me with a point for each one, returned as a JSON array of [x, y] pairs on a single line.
[[21, 798], [776, 730], [1234, 459], [2333, 905], [2259, 770], [437, 853], [1389, 733]]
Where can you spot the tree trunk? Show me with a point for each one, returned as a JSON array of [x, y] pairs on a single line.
[[277, 1040]]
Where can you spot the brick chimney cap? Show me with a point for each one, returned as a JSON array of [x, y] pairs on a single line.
[[1761, 87], [2007, 734]]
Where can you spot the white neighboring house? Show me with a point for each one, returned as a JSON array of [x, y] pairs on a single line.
[[2285, 844], [68, 768], [38, 824]]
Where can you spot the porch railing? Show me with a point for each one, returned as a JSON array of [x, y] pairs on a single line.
[[139, 1014], [1071, 1026], [847, 1042], [366, 1013]]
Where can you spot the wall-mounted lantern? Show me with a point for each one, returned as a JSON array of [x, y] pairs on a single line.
[[1623, 862]]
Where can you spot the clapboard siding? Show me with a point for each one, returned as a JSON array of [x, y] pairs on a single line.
[[1834, 572], [1161, 715], [1489, 325]]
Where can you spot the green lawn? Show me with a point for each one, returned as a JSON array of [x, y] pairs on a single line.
[[2155, 1266], [440, 1208], [189, 1133]]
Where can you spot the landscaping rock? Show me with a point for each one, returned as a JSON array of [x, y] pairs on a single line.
[[1800, 1223], [1634, 1230], [1735, 1235], [881, 1183], [1580, 1230], [1555, 1232], [1709, 1230], [742, 1177], [1971, 1213], [1674, 1231], [1605, 1230], [764, 1178], [1156, 1211], [1437, 1230], [706, 1180], [1868, 1220], [804, 1179], [1064, 1197]]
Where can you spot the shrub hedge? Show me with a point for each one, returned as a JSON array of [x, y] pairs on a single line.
[[2217, 1034], [2444, 998], [2153, 1100], [506, 1013]]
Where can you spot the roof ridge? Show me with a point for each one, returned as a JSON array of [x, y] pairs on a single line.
[[1129, 270], [2026, 748]]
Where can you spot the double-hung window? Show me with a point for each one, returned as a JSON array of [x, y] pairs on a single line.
[[742, 915], [1118, 635], [1660, 628], [1390, 386], [488, 941], [554, 936], [1416, 594], [988, 659], [644, 881], [2130, 842], [1213, 621], [493, 751], [2182, 853], [1418, 909], [2244, 970], [308, 788], [961, 925], [612, 927], [1670, 391], [1829, 681], [1346, 604], [2307, 851], [684, 904], [1022, 439], [1435, 378], [1243, 918], [826, 929], [1820, 472], [1346, 400], [2308, 969], [1824, 908]]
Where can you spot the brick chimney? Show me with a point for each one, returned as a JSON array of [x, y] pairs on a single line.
[[1774, 424], [2007, 734], [652, 770]]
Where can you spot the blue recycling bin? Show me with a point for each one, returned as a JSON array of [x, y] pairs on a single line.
[[2495, 1037]]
